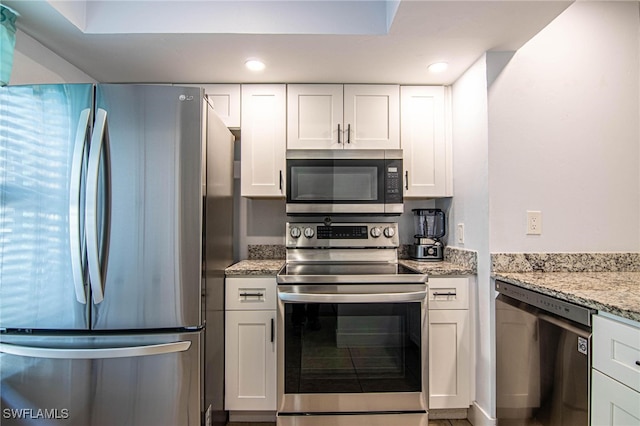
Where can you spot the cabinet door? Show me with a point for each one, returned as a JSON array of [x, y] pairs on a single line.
[[612, 403], [225, 100], [314, 116], [371, 116], [616, 350], [263, 142], [424, 142], [449, 359], [250, 361]]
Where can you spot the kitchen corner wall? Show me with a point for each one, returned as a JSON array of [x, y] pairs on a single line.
[[564, 135], [553, 127]]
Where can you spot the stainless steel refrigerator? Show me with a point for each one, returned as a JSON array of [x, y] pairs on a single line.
[[102, 194]]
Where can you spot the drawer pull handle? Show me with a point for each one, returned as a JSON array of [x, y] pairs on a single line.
[[251, 294], [436, 294], [638, 363]]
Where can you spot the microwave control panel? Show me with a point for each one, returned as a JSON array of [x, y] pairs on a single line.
[[393, 181]]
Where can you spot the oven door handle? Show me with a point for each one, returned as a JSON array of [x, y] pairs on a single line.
[[391, 297]]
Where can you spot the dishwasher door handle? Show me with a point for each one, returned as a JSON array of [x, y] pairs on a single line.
[[564, 324]]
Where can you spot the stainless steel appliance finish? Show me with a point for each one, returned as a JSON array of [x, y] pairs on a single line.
[[363, 349], [543, 358], [344, 182], [218, 255], [101, 274]]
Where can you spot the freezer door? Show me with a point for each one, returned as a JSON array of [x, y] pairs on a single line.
[[144, 207], [104, 381], [43, 136]]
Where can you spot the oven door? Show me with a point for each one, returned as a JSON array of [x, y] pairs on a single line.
[[352, 348]]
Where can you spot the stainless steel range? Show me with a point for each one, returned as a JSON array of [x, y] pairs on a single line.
[[351, 322]]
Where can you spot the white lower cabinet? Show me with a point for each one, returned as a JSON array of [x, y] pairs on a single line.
[[449, 343], [250, 344], [615, 377], [612, 403]]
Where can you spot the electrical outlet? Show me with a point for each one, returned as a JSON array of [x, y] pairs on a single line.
[[534, 223], [460, 233]]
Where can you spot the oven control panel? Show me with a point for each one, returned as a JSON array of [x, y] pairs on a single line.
[[358, 235]]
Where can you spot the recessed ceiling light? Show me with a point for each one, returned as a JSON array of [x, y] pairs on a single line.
[[438, 67], [254, 65]]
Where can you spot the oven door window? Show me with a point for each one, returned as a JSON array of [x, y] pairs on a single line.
[[336, 181], [353, 348]]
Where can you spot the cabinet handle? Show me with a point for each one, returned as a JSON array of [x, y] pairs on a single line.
[[436, 294], [252, 294], [281, 180], [272, 330], [638, 363], [348, 133], [406, 180], [339, 133]]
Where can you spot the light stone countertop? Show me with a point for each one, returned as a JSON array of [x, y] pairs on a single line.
[[255, 267], [617, 293], [438, 269]]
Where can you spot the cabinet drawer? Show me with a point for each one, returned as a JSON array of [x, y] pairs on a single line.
[[250, 294], [613, 404], [448, 293], [616, 350]]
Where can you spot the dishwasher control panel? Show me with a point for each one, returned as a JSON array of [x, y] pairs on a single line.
[[564, 309]]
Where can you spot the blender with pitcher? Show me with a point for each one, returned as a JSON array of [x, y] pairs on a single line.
[[429, 229]]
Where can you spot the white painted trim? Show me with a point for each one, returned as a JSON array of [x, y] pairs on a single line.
[[479, 417]]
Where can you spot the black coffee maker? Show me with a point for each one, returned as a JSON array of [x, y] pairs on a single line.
[[429, 229]]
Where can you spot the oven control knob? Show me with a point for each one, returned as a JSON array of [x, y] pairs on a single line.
[[295, 232], [389, 232], [309, 232], [376, 232]]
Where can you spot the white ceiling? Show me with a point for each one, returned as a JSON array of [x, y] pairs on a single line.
[[207, 41]]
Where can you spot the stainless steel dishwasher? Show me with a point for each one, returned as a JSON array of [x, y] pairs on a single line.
[[543, 359]]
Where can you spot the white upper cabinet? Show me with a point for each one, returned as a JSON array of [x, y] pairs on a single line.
[[314, 116], [263, 141], [425, 144], [225, 101], [335, 116]]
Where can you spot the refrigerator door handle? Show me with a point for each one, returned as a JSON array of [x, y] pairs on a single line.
[[75, 239], [97, 353], [91, 210]]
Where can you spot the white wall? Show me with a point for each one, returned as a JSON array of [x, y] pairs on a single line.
[[564, 135], [33, 63], [470, 206], [556, 128]]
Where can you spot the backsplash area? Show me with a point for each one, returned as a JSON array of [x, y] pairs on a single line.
[[458, 256], [565, 262], [266, 251]]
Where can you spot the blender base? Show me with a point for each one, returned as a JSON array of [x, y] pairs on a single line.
[[426, 252]]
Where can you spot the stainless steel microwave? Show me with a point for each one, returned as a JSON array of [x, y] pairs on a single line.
[[344, 182]]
